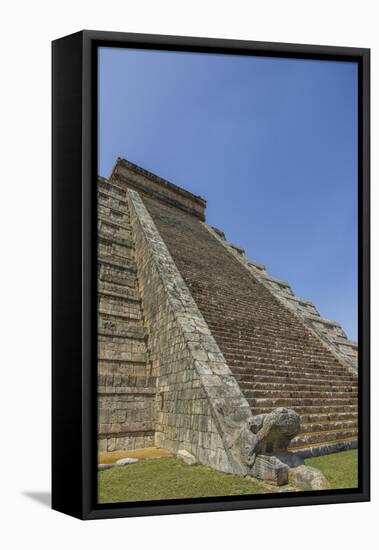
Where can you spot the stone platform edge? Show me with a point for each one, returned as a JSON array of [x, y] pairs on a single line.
[[200, 407]]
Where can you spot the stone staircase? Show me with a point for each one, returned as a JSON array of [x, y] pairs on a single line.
[[276, 359], [126, 383]]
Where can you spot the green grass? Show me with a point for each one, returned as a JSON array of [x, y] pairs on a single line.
[[341, 469], [167, 478]]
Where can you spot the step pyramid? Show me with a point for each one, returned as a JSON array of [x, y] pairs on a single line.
[[277, 346]]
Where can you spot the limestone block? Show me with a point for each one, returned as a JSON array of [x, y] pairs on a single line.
[[126, 461], [270, 469], [306, 478], [186, 457], [101, 467]]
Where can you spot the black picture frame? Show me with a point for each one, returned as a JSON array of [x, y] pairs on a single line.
[[74, 172]]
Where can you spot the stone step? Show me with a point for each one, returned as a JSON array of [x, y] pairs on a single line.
[[115, 274], [124, 380], [113, 250], [291, 373], [311, 438], [294, 386], [113, 232], [297, 394], [126, 390], [251, 356], [128, 368], [326, 426], [335, 446], [109, 321], [109, 216], [107, 238], [133, 346], [107, 220], [132, 334], [124, 430], [120, 296], [278, 378], [122, 302], [242, 328], [127, 334], [246, 333], [109, 309], [108, 188], [300, 401], [113, 213], [254, 349], [107, 352], [105, 287], [329, 417], [111, 187], [110, 260], [106, 198], [306, 410], [314, 380], [265, 361]]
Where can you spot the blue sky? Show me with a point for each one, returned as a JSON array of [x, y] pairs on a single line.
[[271, 144]]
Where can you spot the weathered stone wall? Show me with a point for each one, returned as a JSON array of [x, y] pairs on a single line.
[[126, 381], [126, 419], [200, 407]]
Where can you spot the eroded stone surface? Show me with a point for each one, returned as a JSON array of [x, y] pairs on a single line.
[[275, 430], [307, 478], [126, 461], [126, 383], [186, 457], [265, 441], [104, 466], [270, 469]]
